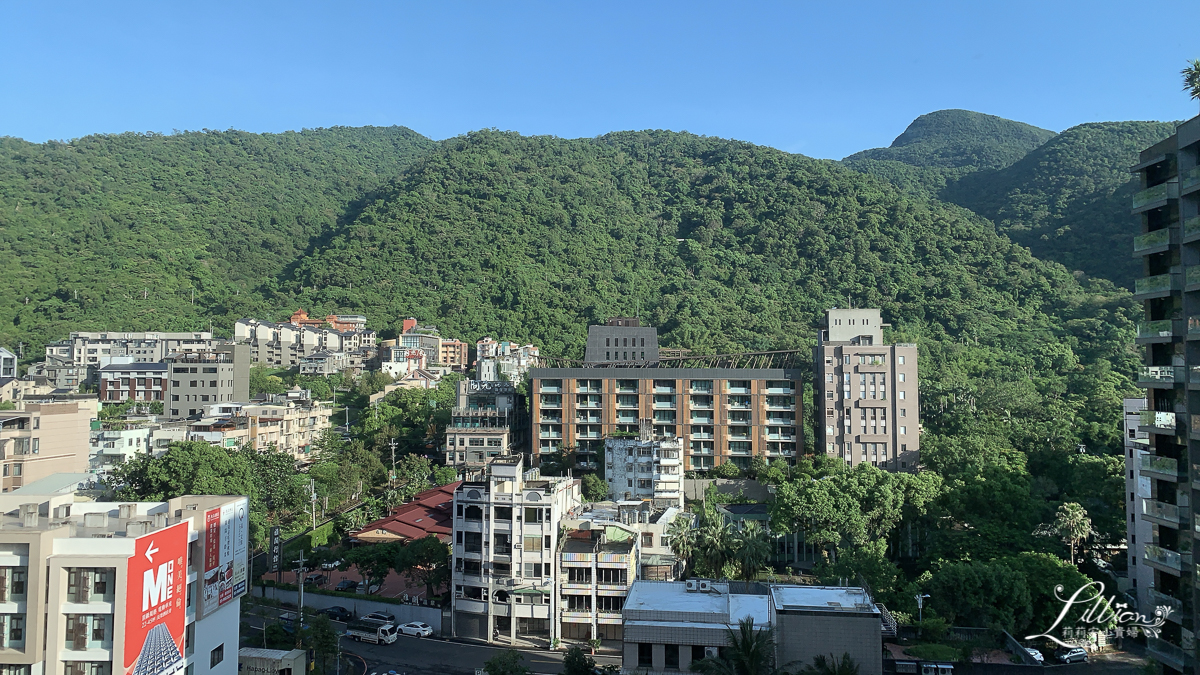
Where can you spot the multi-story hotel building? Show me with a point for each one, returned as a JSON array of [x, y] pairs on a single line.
[[1167, 208], [221, 375], [865, 393], [95, 588], [506, 546], [487, 421], [85, 353], [133, 382]]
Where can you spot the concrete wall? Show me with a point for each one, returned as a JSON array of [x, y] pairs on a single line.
[[403, 613], [693, 488], [801, 636]]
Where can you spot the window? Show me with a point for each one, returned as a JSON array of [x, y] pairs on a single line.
[[533, 570], [216, 656], [901, 395], [533, 543], [475, 442], [901, 375], [533, 515], [903, 430], [648, 539], [645, 655], [904, 412], [900, 360], [546, 542]]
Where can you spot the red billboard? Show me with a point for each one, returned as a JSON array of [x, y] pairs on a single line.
[[155, 610], [226, 531]]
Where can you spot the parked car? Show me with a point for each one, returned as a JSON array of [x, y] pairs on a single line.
[[416, 628], [317, 579], [331, 565], [337, 613], [346, 586], [364, 589], [1078, 654], [1037, 655], [382, 616]]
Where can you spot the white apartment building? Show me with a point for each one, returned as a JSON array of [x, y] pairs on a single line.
[[1137, 487], [285, 345], [290, 426], [87, 352], [112, 447], [8, 364], [644, 469], [503, 360], [506, 548], [95, 588]]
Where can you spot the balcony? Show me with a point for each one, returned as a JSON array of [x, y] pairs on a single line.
[[1163, 468], [1165, 652], [1191, 229], [1158, 331], [1157, 286], [1157, 422], [1163, 559], [1189, 180], [1170, 515], [1191, 279], [1160, 376], [702, 436], [550, 434], [1154, 197], [1152, 242], [1164, 600], [701, 420], [779, 437]]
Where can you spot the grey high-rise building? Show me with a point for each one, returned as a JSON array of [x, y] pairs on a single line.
[[1167, 209], [866, 401]]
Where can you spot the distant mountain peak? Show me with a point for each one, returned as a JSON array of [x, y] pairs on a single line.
[[960, 139]]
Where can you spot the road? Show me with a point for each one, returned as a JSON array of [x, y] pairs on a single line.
[[432, 656]]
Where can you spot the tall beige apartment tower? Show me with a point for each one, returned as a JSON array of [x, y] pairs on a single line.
[[865, 392]]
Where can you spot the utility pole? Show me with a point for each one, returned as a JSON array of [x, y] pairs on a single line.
[[299, 624], [392, 445], [312, 486]]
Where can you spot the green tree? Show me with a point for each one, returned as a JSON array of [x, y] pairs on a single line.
[[263, 382], [752, 545], [682, 535], [725, 470], [425, 561], [981, 595], [322, 638], [831, 665], [750, 651], [1071, 524], [714, 544], [575, 662], [595, 489], [507, 662], [186, 468], [444, 475], [1191, 79]]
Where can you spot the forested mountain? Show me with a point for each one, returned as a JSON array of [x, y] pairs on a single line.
[[118, 231], [1065, 196]]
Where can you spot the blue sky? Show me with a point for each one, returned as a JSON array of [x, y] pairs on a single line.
[[821, 78]]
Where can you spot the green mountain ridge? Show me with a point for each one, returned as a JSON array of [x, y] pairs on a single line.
[[956, 139]]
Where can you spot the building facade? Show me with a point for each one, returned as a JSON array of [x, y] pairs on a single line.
[[718, 414], [866, 397], [221, 375], [112, 447], [133, 382], [597, 563], [285, 345], [644, 469], [72, 576], [87, 352], [453, 353], [1167, 209], [506, 546], [621, 340], [487, 422], [504, 360], [1140, 577], [45, 438], [8, 364]]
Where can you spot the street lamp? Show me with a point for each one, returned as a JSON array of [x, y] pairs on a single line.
[[921, 606]]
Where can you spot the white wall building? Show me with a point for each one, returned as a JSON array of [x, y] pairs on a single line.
[[111, 447], [644, 469], [1140, 577]]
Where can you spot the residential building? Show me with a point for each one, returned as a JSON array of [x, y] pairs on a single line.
[[43, 438], [400, 361], [344, 322], [1139, 580], [621, 340], [453, 353], [597, 562], [133, 382], [504, 360], [114, 446], [646, 468], [650, 520], [290, 426], [506, 544], [670, 624], [99, 588], [425, 338], [85, 353], [719, 414], [324, 362], [1167, 209], [285, 345], [8, 364], [866, 396], [487, 421], [428, 513], [221, 375]]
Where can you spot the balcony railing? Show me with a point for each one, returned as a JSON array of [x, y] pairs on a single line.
[[1152, 239], [1189, 178], [1170, 513], [1154, 194], [1158, 420], [1161, 375], [1161, 556], [1166, 466], [1155, 329], [1163, 600], [1164, 651], [1156, 284], [1191, 227], [1192, 275]]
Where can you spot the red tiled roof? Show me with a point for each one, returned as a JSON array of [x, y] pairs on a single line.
[[428, 513]]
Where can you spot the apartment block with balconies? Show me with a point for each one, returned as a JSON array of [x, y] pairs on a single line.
[[487, 421], [44, 438], [717, 414], [866, 397], [644, 468], [506, 546], [1167, 209]]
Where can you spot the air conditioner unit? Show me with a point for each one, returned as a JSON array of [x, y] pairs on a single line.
[[711, 652], [705, 586], [692, 585]]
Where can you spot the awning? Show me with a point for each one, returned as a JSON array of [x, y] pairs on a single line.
[[529, 591]]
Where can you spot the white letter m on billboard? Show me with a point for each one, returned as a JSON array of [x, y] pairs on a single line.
[[154, 590]]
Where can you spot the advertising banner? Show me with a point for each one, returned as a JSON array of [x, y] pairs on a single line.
[[226, 537], [155, 610], [276, 549]]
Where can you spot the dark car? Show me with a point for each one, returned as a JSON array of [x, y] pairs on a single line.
[[346, 586], [382, 616], [337, 613], [316, 579]]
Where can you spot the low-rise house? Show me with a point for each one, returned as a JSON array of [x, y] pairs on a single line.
[[400, 361], [598, 560], [291, 426], [114, 446], [503, 360], [453, 353], [429, 513], [324, 362]]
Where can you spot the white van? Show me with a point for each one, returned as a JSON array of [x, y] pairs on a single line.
[[378, 632]]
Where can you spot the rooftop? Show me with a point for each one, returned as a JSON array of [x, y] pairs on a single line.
[[133, 366], [56, 483], [428, 513], [823, 598]]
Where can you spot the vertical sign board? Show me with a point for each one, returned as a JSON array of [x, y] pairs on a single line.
[[226, 531], [276, 549], [154, 601]]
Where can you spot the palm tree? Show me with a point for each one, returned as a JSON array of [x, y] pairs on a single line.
[[753, 548], [831, 666], [682, 532], [713, 543], [751, 652], [1191, 78]]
